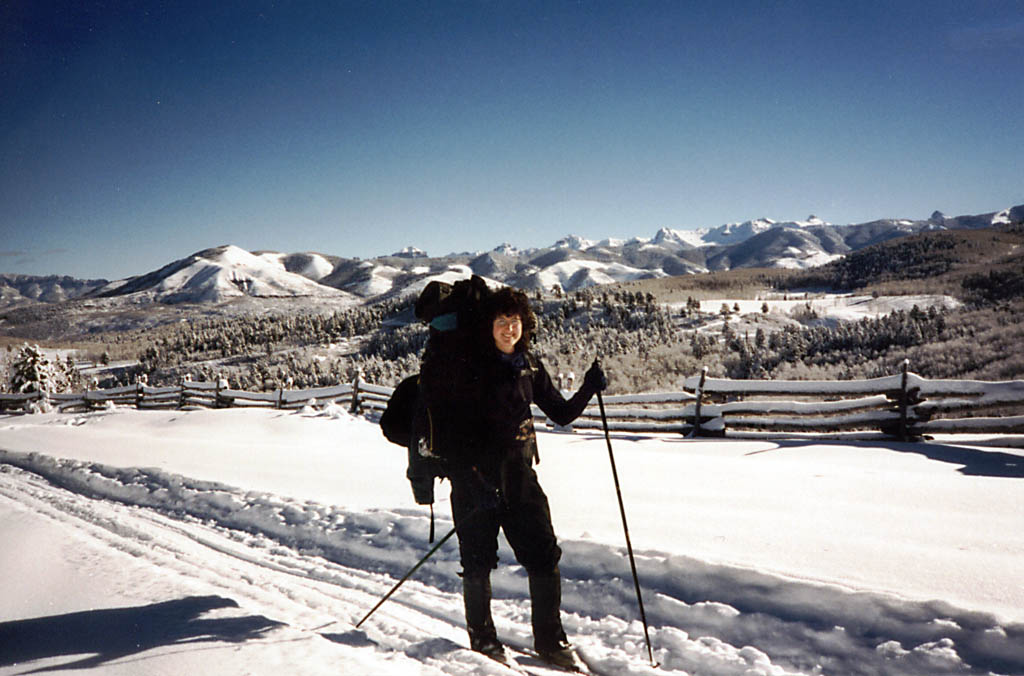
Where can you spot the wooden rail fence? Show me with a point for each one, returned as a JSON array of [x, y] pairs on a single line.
[[903, 406], [357, 396]]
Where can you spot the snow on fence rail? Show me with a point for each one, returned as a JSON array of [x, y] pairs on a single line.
[[903, 406]]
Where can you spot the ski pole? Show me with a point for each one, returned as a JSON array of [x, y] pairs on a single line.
[[407, 576], [625, 527]]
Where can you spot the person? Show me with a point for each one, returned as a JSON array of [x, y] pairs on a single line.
[[493, 483]]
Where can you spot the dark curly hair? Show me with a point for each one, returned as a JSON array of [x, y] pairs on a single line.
[[509, 301]]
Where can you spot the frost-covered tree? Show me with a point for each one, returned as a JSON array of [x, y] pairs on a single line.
[[32, 371]]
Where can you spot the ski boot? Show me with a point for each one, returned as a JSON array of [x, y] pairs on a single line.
[[483, 638]]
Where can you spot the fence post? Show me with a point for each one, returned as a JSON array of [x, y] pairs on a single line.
[[355, 393], [564, 384], [139, 392], [904, 400], [695, 432], [94, 384], [222, 384]]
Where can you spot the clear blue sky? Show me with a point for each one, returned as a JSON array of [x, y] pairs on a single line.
[[136, 133]]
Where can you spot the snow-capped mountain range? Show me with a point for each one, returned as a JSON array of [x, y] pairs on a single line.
[[225, 272]]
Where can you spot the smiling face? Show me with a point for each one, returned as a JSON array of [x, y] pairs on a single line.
[[507, 330]]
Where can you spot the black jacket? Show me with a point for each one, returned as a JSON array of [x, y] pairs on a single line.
[[500, 424]]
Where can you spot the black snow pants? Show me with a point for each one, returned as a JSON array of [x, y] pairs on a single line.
[[513, 502]]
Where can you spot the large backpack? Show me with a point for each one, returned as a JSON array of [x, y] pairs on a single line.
[[448, 369], [430, 413]]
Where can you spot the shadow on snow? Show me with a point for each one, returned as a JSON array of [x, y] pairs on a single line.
[[110, 634], [971, 461]]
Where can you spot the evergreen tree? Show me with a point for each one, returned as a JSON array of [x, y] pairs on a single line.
[[33, 372]]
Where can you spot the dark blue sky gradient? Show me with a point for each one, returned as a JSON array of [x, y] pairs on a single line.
[[134, 133]]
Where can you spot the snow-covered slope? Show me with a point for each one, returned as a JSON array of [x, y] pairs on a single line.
[[734, 233], [573, 242], [781, 246], [571, 275], [453, 274], [310, 265], [374, 280], [225, 272], [18, 289], [679, 239]]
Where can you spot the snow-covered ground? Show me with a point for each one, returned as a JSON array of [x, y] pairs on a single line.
[[829, 309], [842, 306], [251, 542]]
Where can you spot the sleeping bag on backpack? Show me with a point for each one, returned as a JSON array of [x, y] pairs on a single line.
[[396, 421], [405, 422]]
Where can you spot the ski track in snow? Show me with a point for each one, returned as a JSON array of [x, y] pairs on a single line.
[[311, 571]]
